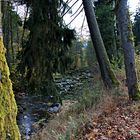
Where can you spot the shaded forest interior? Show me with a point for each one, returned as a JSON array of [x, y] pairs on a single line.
[[58, 82]]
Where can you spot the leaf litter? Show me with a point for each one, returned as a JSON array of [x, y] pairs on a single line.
[[121, 124]]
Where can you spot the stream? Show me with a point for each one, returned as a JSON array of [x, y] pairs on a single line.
[[33, 111]]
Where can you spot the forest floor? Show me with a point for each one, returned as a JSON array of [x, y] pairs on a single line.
[[33, 114], [117, 119], [110, 116], [119, 122]]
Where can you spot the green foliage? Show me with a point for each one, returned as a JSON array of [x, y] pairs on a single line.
[[19, 82], [137, 49], [46, 50], [136, 27], [87, 99], [82, 54], [130, 33], [77, 113], [72, 129], [106, 22], [90, 54], [117, 62], [11, 24], [77, 54], [137, 62]]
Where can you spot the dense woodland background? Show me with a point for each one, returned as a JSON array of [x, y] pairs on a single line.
[[48, 65]]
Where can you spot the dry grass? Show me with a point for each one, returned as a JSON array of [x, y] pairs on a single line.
[[68, 121], [56, 126], [75, 114]]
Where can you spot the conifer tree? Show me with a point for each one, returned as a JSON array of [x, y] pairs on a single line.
[[46, 50]]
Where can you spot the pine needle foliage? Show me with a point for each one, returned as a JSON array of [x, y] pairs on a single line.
[[107, 23], [46, 50]]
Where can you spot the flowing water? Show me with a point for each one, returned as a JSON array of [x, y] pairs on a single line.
[[33, 110]]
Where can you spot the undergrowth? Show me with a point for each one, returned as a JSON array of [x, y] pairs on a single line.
[[93, 100], [90, 106], [137, 61]]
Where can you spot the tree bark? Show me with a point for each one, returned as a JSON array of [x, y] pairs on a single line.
[[128, 48], [8, 108], [6, 29], [107, 73], [11, 35]]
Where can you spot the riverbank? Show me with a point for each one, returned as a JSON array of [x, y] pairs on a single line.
[[35, 111], [66, 125]]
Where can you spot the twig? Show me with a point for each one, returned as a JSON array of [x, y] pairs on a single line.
[[75, 17], [83, 24], [69, 8], [77, 10]]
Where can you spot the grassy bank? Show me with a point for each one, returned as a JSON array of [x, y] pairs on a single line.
[[94, 100]]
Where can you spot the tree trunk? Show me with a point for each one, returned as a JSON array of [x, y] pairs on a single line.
[[11, 35], [6, 29], [8, 108], [106, 71], [128, 48]]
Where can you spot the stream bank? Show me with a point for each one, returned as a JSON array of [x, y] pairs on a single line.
[[33, 112]]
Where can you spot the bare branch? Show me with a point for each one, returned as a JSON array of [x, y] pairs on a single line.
[[67, 2], [75, 16], [69, 8], [77, 10], [83, 23]]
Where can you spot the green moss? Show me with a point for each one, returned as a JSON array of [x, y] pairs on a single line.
[[137, 62], [112, 76], [136, 96], [8, 110], [130, 33]]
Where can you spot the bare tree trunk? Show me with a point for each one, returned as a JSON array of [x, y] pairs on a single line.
[[8, 108], [105, 67], [128, 48]]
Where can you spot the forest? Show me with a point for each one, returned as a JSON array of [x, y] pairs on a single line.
[[69, 70]]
